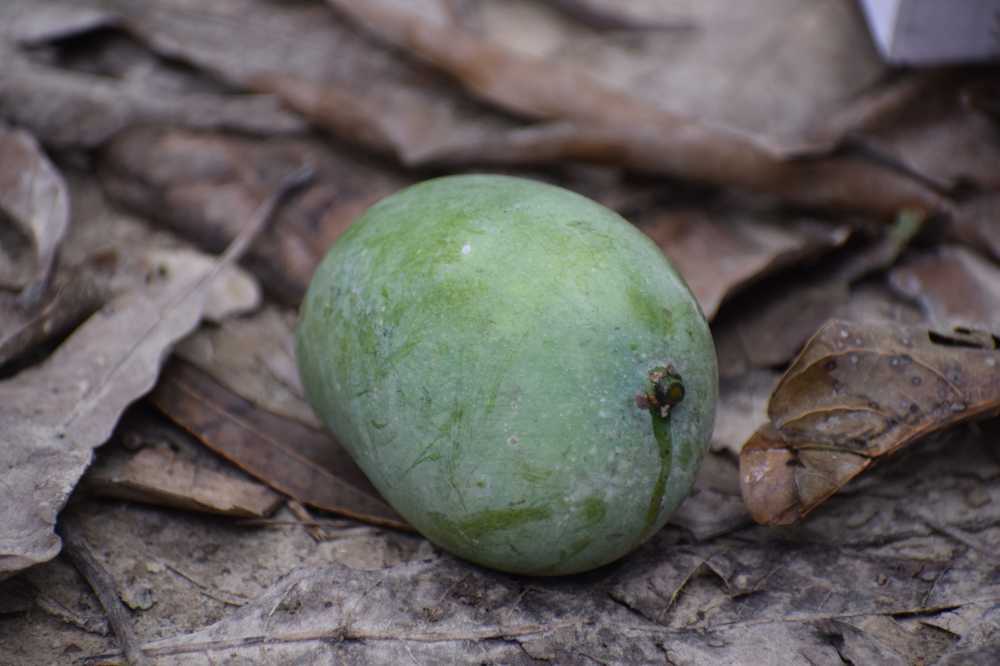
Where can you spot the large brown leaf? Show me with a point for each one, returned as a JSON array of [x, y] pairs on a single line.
[[710, 65], [857, 393], [597, 122]]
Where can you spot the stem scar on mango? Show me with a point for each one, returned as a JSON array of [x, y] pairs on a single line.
[[664, 390]]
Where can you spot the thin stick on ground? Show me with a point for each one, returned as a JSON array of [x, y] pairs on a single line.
[[78, 551]]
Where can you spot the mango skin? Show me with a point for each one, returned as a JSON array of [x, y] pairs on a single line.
[[478, 342]]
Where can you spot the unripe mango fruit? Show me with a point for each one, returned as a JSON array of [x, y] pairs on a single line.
[[518, 370]]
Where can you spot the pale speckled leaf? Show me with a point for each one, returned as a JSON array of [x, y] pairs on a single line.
[[53, 415]]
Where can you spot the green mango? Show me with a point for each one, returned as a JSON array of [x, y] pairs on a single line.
[[518, 370]]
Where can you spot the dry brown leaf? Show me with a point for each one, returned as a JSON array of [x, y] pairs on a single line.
[[857, 393], [233, 292], [771, 69], [33, 196], [31, 22], [254, 357], [719, 254], [70, 298], [203, 185], [955, 287], [766, 325], [318, 65], [936, 132], [161, 477], [304, 463], [975, 223], [742, 407], [82, 110], [610, 125], [377, 97]]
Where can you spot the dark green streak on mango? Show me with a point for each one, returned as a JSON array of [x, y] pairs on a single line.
[[661, 431], [485, 522], [477, 525]]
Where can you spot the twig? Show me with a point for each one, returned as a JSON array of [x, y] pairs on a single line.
[[291, 182], [317, 532], [930, 590], [78, 552], [235, 599], [602, 18], [234, 251]]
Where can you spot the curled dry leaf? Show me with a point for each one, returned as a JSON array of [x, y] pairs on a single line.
[[33, 196], [304, 463], [955, 287], [857, 393]]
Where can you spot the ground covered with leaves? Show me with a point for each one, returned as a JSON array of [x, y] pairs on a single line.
[[172, 172]]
